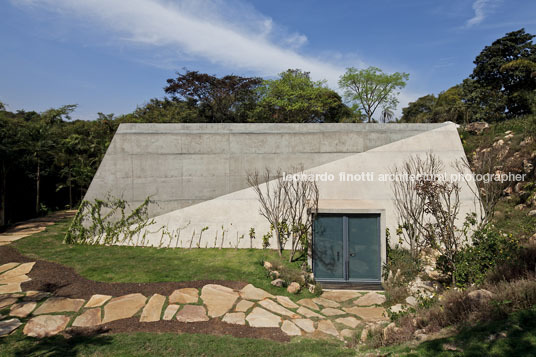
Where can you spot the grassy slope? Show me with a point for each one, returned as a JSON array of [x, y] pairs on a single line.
[[144, 264]]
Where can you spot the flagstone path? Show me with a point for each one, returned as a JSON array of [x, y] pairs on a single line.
[[334, 314]]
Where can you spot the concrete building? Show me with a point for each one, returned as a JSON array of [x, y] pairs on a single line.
[[197, 174]]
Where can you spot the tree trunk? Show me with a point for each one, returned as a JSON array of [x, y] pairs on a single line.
[[3, 194], [37, 184], [279, 247], [70, 190]]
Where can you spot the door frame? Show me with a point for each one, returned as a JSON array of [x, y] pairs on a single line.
[[383, 243]]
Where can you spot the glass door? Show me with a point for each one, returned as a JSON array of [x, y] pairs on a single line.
[[347, 247]]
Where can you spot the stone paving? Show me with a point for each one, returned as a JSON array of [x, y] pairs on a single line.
[[334, 314]]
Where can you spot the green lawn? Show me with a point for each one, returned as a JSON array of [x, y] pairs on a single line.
[[143, 264]]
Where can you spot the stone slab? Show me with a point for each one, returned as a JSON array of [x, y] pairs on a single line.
[[308, 313], [309, 303], [7, 266], [332, 312], [259, 317], [171, 310], [59, 304], [371, 298], [286, 302], [97, 300], [10, 288], [218, 299], [340, 295], [326, 302], [45, 325], [184, 296], [8, 326], [22, 309], [278, 309], [250, 292], [327, 327], [235, 318], [123, 307], [290, 329], [22, 269], [6, 301], [192, 313], [305, 324], [15, 279], [244, 305], [152, 311], [368, 313], [349, 321], [91, 317]]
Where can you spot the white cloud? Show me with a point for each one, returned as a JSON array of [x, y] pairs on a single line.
[[481, 8], [231, 34]]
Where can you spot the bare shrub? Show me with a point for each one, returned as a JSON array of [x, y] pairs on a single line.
[[289, 206]]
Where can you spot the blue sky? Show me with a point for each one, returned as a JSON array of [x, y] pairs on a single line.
[[110, 55]]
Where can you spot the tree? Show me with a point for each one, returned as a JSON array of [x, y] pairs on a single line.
[[295, 98], [371, 88], [447, 106], [226, 99], [498, 87], [419, 111]]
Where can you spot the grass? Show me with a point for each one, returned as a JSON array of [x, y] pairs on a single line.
[[147, 264], [165, 344]]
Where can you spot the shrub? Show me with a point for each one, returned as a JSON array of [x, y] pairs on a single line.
[[399, 270], [521, 266], [489, 248]]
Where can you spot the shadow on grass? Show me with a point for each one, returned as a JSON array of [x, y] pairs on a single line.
[[515, 336], [59, 346]]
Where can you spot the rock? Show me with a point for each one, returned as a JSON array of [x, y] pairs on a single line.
[[532, 213], [90, 317], [249, 292], [477, 127], [346, 333], [6, 301], [308, 313], [348, 321], [184, 296], [528, 167], [36, 296], [22, 309], [123, 307], [290, 329], [340, 295], [308, 303], [305, 324], [390, 330], [332, 312], [519, 207], [480, 295], [372, 298], [411, 301], [364, 334], [8, 326], [275, 274], [10, 288], [518, 187], [508, 191], [218, 299], [20, 270], [368, 313], [97, 300], [327, 327], [326, 302], [46, 325], [278, 309], [294, 288], [15, 279], [268, 266], [311, 288], [170, 312], [278, 282], [235, 318], [244, 305], [398, 308], [192, 313], [262, 318], [420, 335], [508, 136], [286, 302], [59, 304], [498, 143], [7, 266], [153, 309], [526, 141]]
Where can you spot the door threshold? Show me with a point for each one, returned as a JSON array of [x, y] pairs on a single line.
[[350, 285]]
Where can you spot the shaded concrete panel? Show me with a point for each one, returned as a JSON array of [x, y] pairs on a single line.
[[147, 144], [157, 166], [205, 166], [205, 143]]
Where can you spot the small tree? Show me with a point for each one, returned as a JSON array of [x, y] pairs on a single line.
[[288, 205], [371, 88]]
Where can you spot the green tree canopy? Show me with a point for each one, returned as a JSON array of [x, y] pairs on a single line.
[[295, 98], [371, 88]]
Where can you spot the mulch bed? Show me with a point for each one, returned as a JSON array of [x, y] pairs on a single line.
[[63, 281]]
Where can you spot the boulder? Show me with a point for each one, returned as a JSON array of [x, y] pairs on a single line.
[[278, 282], [532, 213], [268, 266], [294, 288], [477, 127], [480, 295]]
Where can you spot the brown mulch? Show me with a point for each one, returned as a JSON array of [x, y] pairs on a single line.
[[64, 281]]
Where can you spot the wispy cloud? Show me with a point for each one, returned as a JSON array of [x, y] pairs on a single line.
[[229, 33], [481, 8]]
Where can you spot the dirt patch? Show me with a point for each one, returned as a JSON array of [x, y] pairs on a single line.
[[64, 281]]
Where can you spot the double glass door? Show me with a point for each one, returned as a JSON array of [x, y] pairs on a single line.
[[347, 247]]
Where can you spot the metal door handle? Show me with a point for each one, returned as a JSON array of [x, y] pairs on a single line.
[[338, 256], [352, 254]]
